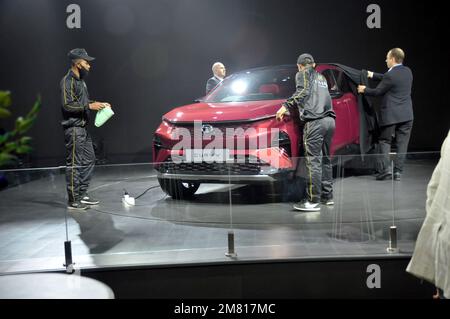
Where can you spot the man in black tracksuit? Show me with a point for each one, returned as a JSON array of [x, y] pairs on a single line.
[[315, 108], [80, 156]]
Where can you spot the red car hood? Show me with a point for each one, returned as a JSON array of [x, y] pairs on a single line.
[[230, 111]]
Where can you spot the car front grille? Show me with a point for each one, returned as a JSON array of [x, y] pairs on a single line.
[[222, 127], [206, 168]]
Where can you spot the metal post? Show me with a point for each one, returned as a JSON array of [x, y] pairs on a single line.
[[392, 240], [393, 229], [68, 254], [231, 253]]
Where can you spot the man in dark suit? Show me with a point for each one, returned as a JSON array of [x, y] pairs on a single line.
[[219, 72], [396, 112]]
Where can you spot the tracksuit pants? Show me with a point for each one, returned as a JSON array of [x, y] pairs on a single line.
[[317, 136], [80, 161]]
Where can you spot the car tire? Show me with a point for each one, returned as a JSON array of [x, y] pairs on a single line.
[[178, 189], [292, 189]]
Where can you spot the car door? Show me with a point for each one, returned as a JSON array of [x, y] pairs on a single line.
[[340, 106], [352, 105]]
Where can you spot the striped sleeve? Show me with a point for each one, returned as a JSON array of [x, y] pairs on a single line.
[[70, 99], [302, 91]]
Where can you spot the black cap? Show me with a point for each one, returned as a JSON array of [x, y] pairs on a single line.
[[79, 53], [303, 59]]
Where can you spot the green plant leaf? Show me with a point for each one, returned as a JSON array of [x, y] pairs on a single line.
[[9, 147], [25, 125], [5, 98], [25, 140], [36, 107], [12, 134], [19, 121], [11, 142], [4, 112], [23, 149], [6, 158], [5, 137]]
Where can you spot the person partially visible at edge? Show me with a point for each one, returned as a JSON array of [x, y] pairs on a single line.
[[76, 106], [431, 257], [219, 72], [396, 112], [314, 104]]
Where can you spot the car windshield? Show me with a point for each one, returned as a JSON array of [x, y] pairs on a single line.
[[255, 85]]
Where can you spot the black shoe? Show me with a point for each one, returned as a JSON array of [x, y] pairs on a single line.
[[397, 176], [327, 202], [86, 199], [77, 206], [383, 176]]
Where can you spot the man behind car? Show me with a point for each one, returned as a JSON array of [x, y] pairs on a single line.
[[219, 72], [396, 112]]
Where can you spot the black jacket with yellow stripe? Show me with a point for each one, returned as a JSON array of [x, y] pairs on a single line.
[[75, 101], [311, 96]]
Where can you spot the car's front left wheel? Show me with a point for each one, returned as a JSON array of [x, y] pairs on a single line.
[[178, 189]]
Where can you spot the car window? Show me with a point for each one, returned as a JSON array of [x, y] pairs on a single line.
[[337, 81], [333, 87], [255, 85], [342, 81]]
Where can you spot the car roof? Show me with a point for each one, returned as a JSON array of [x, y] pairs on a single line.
[[275, 67]]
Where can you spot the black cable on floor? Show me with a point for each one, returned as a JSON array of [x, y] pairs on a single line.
[[150, 188]]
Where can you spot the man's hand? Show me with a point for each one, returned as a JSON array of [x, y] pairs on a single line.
[[361, 89], [369, 74], [280, 113], [97, 106]]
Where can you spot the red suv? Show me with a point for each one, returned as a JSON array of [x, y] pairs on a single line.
[[231, 135]]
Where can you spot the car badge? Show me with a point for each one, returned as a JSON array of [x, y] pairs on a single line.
[[207, 129]]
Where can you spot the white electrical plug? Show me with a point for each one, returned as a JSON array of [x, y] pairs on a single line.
[[127, 199]]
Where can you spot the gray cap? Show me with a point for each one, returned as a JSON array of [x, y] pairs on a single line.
[[79, 53], [303, 59]]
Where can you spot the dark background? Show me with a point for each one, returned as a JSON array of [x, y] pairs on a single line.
[[155, 55]]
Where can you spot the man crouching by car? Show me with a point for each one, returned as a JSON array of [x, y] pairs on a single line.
[[315, 109]]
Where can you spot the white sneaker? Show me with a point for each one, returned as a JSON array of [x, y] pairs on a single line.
[[327, 202], [307, 206], [89, 200]]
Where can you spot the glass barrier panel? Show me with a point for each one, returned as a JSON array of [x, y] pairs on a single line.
[[32, 219], [184, 213], [365, 216]]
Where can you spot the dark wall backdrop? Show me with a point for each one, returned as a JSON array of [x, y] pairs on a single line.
[[155, 55]]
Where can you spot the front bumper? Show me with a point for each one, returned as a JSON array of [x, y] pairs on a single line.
[[254, 166], [234, 179]]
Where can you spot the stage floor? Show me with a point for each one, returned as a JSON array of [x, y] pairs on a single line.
[[161, 231]]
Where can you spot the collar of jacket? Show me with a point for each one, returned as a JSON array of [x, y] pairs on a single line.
[[308, 70], [393, 67], [72, 74]]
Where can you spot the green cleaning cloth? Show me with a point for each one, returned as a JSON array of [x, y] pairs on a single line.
[[103, 115]]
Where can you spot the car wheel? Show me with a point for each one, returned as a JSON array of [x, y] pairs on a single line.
[[178, 189], [291, 189]]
